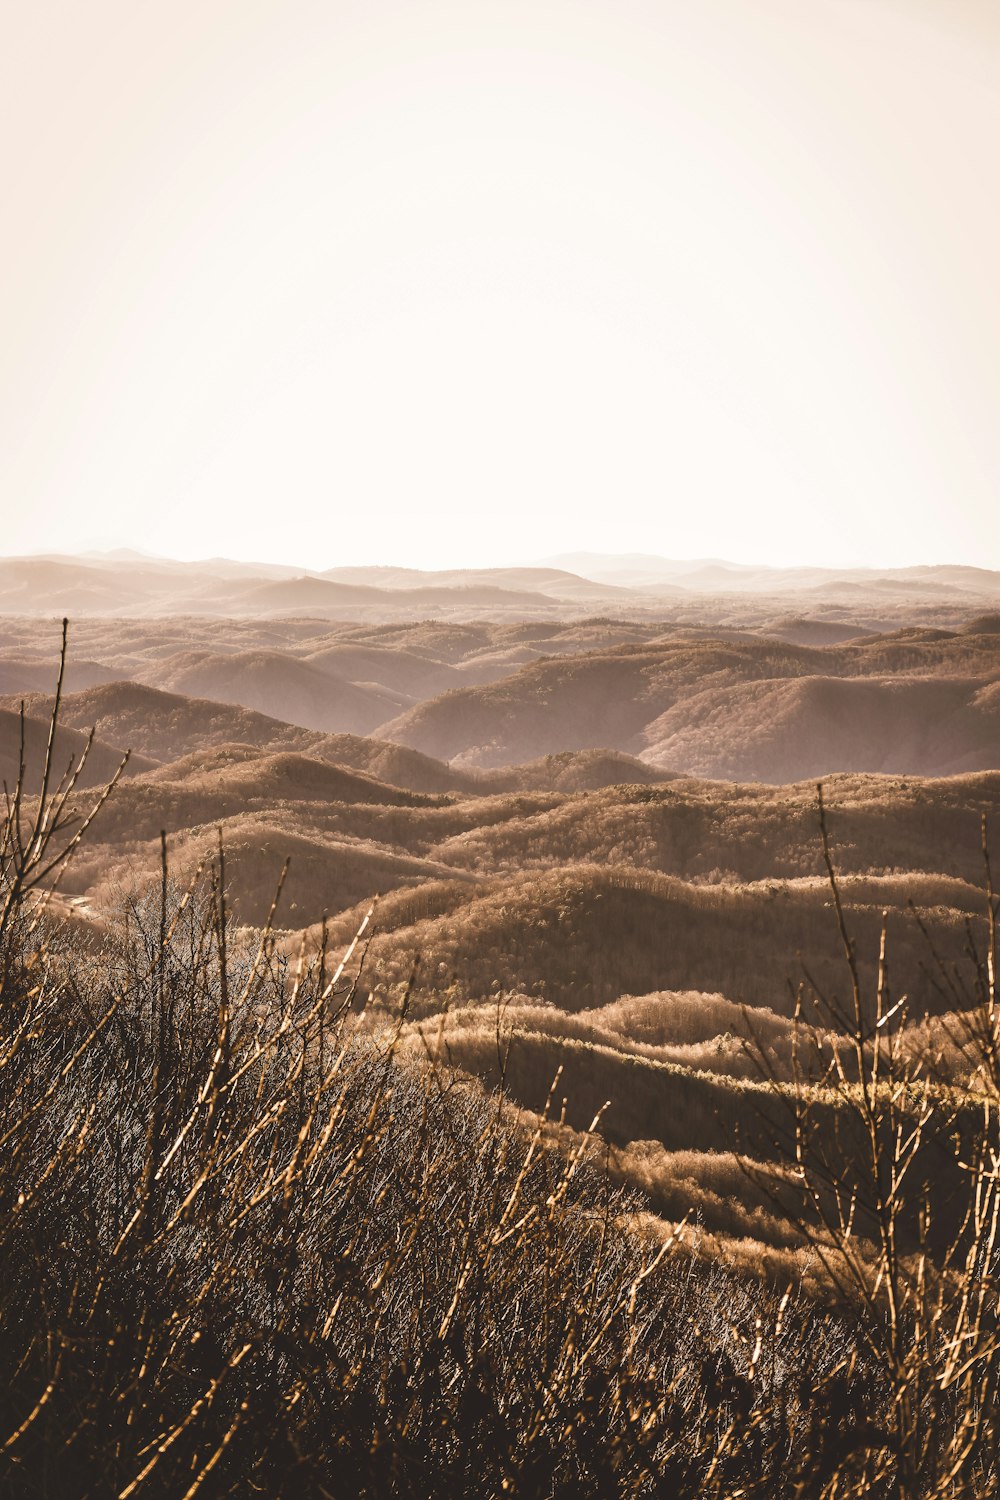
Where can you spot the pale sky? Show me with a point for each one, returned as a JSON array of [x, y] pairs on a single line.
[[468, 283]]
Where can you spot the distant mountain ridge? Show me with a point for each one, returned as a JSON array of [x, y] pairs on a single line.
[[712, 575], [132, 584]]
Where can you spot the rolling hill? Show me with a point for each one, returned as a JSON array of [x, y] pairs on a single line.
[[739, 709], [324, 874], [582, 936], [163, 726], [283, 687], [68, 746], [596, 839], [787, 730]]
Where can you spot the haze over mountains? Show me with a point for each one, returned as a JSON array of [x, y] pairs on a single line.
[[126, 583], [484, 695]]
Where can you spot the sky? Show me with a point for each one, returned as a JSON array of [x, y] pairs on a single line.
[[468, 282]]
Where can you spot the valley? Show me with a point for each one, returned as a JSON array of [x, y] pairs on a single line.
[[597, 837]]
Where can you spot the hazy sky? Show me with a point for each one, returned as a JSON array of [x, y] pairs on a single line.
[[443, 283]]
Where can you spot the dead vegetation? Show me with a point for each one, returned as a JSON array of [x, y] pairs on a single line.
[[259, 1237]]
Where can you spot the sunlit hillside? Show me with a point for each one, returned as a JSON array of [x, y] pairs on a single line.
[[624, 922]]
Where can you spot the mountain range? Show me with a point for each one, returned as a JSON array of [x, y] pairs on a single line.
[[127, 583]]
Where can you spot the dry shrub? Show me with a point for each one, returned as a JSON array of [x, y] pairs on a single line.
[[247, 1248]]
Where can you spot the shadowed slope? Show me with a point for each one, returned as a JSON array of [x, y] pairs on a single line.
[[784, 731], [739, 708], [593, 700], [413, 676], [173, 727], [281, 686], [102, 762], [547, 707], [165, 725], [21, 676]]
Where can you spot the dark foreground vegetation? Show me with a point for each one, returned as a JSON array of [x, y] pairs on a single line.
[[251, 1243]]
